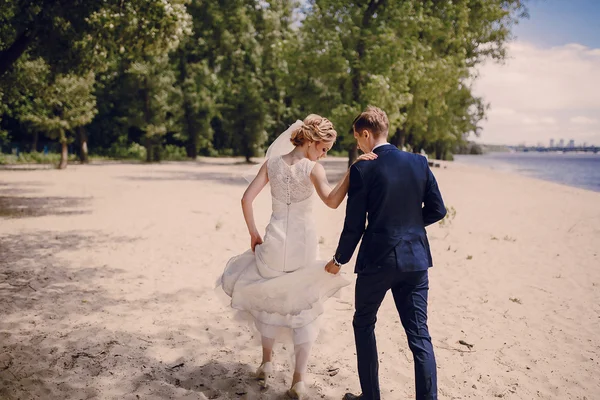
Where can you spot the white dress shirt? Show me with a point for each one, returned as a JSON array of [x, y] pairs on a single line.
[[379, 145]]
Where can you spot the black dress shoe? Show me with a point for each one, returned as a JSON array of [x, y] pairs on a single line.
[[350, 396]]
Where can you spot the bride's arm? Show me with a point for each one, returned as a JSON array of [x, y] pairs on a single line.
[[333, 197], [250, 194]]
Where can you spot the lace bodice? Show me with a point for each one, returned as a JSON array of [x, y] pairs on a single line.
[[290, 183]]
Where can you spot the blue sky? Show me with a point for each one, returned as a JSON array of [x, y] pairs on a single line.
[[548, 88], [559, 22]]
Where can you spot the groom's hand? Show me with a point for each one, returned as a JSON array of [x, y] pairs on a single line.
[[332, 268]]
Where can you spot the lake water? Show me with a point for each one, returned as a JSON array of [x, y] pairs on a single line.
[[575, 169]]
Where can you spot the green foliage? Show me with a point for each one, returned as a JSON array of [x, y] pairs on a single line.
[[174, 153], [121, 151], [150, 111], [3, 137], [412, 58], [61, 105], [80, 35], [194, 64], [154, 79], [32, 158]]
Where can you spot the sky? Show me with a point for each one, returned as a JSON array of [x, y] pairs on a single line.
[[549, 87]]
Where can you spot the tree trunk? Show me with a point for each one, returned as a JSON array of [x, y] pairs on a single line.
[[15, 50], [148, 142], [356, 69], [188, 112], [149, 148], [410, 140], [440, 150], [247, 148], [420, 145], [192, 145], [34, 143], [352, 154], [357, 73], [64, 155], [83, 147], [156, 152], [395, 140], [401, 138]]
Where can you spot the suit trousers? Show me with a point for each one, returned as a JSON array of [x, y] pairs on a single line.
[[410, 291]]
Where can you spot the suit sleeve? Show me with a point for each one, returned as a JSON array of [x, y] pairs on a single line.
[[433, 208], [356, 217]]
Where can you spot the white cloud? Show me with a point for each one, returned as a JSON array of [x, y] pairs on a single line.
[[580, 120], [501, 111], [539, 121], [548, 121], [541, 93]]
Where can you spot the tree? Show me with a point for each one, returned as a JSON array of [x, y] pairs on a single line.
[[195, 81], [228, 76], [21, 87], [241, 108], [277, 38], [245, 115], [64, 104], [196, 63], [413, 58], [152, 102], [75, 37], [459, 36], [3, 132], [78, 35], [339, 41]]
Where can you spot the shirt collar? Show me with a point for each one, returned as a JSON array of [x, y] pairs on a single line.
[[379, 145]]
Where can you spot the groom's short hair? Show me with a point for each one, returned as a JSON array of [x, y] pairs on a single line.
[[373, 119]]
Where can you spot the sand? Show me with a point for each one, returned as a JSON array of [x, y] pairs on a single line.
[[107, 289]]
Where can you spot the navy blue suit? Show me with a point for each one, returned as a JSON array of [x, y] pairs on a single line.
[[398, 195]]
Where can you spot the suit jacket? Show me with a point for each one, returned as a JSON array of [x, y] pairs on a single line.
[[398, 195]]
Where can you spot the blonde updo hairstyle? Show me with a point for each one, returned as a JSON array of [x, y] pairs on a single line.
[[314, 129]]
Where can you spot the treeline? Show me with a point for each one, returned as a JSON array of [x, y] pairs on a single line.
[[142, 78]]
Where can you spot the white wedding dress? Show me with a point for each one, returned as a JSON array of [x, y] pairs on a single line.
[[282, 284]]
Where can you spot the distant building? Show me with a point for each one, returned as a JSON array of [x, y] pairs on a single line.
[[561, 143], [551, 142], [571, 143]]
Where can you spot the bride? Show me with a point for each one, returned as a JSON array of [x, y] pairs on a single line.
[[279, 280]]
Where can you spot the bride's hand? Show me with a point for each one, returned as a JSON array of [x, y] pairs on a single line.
[[255, 240], [366, 157]]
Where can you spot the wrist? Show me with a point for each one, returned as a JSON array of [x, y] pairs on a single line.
[[336, 262]]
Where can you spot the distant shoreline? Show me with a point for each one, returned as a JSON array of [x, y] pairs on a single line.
[[580, 170]]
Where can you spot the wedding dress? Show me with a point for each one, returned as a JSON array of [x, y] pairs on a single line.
[[283, 284]]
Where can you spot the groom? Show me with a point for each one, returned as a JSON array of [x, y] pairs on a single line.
[[399, 196]]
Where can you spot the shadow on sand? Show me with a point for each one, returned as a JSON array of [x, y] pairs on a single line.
[[55, 343], [14, 205]]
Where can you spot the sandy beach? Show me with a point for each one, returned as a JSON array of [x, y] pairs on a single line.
[[107, 291]]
